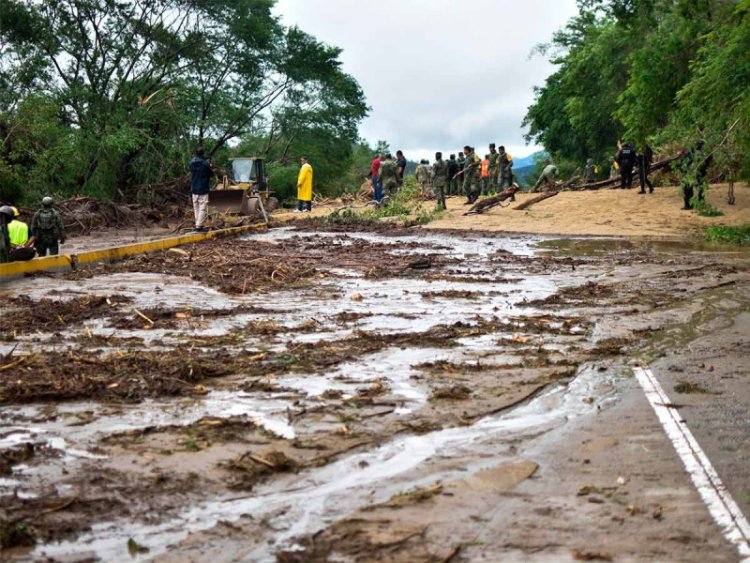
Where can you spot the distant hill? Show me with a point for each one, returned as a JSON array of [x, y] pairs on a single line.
[[527, 161], [522, 175]]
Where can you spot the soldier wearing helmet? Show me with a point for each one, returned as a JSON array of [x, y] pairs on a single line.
[[47, 228]]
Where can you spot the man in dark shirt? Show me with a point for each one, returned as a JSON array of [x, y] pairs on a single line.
[[400, 167], [201, 173], [626, 160], [453, 169]]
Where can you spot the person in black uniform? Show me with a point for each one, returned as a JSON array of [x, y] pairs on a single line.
[[626, 160]]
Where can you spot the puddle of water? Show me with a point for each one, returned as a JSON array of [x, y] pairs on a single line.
[[146, 290], [304, 502], [440, 243], [265, 411]]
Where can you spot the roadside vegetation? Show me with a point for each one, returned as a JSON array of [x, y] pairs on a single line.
[[99, 98], [662, 72], [729, 235], [408, 208]]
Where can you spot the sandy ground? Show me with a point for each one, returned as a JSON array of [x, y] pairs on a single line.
[[597, 213], [603, 213], [617, 213]]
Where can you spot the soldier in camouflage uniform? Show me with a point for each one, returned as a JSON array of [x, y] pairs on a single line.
[[470, 173], [388, 176], [440, 178], [461, 166], [424, 177], [48, 229], [505, 170], [695, 165], [589, 175], [453, 169], [6, 216], [494, 177]]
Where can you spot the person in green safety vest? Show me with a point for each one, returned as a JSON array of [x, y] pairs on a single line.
[[20, 243]]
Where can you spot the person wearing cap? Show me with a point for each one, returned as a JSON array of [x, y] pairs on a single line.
[[18, 230], [494, 158], [304, 186], [48, 229], [21, 245]]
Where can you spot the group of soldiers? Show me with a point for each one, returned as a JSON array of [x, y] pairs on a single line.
[[465, 174], [622, 165], [694, 166], [19, 242]]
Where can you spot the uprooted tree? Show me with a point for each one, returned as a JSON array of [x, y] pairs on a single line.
[[99, 96]]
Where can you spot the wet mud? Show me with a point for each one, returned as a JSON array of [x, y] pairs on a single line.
[[313, 394]]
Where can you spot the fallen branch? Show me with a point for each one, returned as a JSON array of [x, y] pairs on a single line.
[[59, 507], [490, 202], [12, 364], [616, 180], [261, 460], [144, 317], [532, 201]]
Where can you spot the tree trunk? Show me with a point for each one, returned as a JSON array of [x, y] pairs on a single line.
[[490, 202], [534, 200]]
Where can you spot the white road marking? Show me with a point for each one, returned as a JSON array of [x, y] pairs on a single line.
[[720, 503]]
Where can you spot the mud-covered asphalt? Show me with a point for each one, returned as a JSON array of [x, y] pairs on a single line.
[[313, 395]]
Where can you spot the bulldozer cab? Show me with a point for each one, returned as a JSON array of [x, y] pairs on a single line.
[[244, 191], [249, 171]]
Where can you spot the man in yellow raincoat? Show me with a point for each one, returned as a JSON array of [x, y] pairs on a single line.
[[304, 187]]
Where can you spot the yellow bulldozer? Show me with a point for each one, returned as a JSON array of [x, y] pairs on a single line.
[[245, 191]]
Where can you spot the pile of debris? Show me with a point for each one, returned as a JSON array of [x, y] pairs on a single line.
[[82, 215]]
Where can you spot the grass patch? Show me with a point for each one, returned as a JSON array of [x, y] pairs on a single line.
[[705, 209], [687, 388], [405, 204], [729, 235]]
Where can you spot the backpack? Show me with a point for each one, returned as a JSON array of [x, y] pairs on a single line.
[[46, 219]]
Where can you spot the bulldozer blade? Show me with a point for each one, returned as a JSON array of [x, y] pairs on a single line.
[[229, 201]]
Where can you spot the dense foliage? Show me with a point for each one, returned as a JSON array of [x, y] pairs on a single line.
[[100, 96], [664, 72]]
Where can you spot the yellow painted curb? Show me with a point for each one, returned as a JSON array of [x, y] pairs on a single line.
[[73, 261]]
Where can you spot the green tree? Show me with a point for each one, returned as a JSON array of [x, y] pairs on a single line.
[[138, 84]]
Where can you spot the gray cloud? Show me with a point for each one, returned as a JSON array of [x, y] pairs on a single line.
[[439, 74]]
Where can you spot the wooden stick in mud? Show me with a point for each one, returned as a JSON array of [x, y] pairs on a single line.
[[490, 202], [262, 461], [144, 317], [532, 201]]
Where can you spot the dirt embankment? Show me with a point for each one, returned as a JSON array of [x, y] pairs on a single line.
[[604, 212]]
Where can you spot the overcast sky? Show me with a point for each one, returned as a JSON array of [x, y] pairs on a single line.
[[439, 74]]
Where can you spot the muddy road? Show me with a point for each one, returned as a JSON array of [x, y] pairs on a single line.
[[306, 395]]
